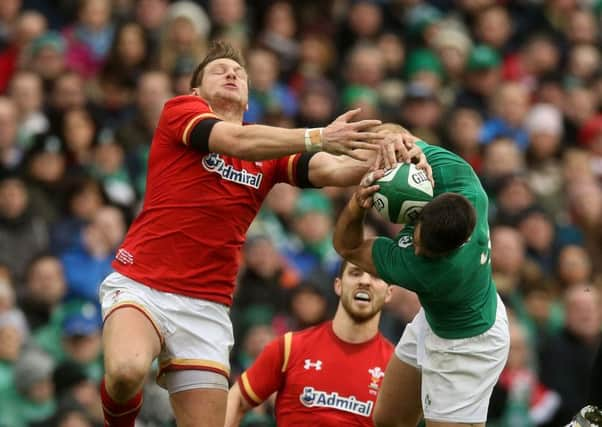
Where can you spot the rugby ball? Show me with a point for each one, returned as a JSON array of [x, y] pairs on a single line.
[[403, 191]]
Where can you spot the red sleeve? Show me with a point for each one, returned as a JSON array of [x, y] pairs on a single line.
[[294, 170], [182, 113], [264, 377]]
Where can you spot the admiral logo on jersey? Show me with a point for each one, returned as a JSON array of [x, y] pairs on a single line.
[[313, 398], [212, 162]]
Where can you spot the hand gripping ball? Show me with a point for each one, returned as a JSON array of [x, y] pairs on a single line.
[[403, 191]]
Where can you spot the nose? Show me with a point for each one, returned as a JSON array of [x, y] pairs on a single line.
[[230, 74]]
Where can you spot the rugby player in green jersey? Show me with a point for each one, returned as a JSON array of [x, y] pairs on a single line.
[[452, 353]]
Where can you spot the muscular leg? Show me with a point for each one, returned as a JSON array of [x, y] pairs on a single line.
[[130, 344], [200, 407], [398, 403]]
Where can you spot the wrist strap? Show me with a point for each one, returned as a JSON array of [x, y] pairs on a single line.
[[313, 139]]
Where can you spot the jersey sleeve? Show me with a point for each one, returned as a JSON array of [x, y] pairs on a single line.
[[183, 113], [395, 263], [265, 375], [294, 170]]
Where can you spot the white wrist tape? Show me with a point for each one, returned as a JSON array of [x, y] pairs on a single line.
[[313, 139]]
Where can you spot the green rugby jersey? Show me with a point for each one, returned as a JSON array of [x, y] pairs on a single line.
[[456, 291]]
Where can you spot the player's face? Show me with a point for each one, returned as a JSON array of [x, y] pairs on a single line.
[[225, 80], [361, 294]]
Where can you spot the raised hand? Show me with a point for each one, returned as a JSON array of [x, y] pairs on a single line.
[[343, 136]]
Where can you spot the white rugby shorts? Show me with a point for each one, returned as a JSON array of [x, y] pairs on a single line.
[[195, 334], [458, 375]]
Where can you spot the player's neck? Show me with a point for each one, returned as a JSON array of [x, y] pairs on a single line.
[[351, 331], [228, 111]]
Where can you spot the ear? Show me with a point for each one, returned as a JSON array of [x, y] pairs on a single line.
[[337, 286], [389, 293], [195, 91]]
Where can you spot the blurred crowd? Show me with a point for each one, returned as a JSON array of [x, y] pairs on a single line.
[[514, 87]]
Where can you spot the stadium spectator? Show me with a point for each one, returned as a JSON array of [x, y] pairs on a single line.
[[573, 350]]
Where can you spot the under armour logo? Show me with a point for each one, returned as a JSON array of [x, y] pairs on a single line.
[[317, 365]]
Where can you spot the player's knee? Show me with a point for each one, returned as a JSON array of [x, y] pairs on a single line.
[[126, 377]]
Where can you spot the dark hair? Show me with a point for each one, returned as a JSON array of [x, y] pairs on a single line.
[[342, 268], [217, 50], [446, 223]]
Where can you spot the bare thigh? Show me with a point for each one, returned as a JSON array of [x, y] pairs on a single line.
[[398, 403], [200, 407], [130, 343]]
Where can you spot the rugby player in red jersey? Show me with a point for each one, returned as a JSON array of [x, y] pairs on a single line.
[[175, 271], [327, 375]]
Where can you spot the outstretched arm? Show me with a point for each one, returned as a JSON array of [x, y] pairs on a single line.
[[343, 171], [258, 142]]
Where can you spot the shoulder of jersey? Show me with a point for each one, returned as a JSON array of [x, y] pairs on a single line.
[[182, 99]]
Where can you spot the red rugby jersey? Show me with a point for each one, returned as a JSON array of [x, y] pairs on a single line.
[[320, 380], [197, 209]]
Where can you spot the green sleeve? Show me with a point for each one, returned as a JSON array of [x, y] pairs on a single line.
[[393, 263]]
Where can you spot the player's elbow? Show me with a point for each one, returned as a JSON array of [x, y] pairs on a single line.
[[344, 251], [231, 140]]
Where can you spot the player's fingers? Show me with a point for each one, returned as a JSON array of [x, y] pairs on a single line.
[[347, 115], [390, 158], [377, 161], [365, 124], [354, 145], [415, 153]]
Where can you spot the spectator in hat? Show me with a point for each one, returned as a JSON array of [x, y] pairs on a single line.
[[422, 23], [45, 56], [45, 169], [453, 47], [109, 168], [424, 67], [81, 338], [185, 32], [362, 97], [481, 79], [545, 129], [312, 253], [34, 398]]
